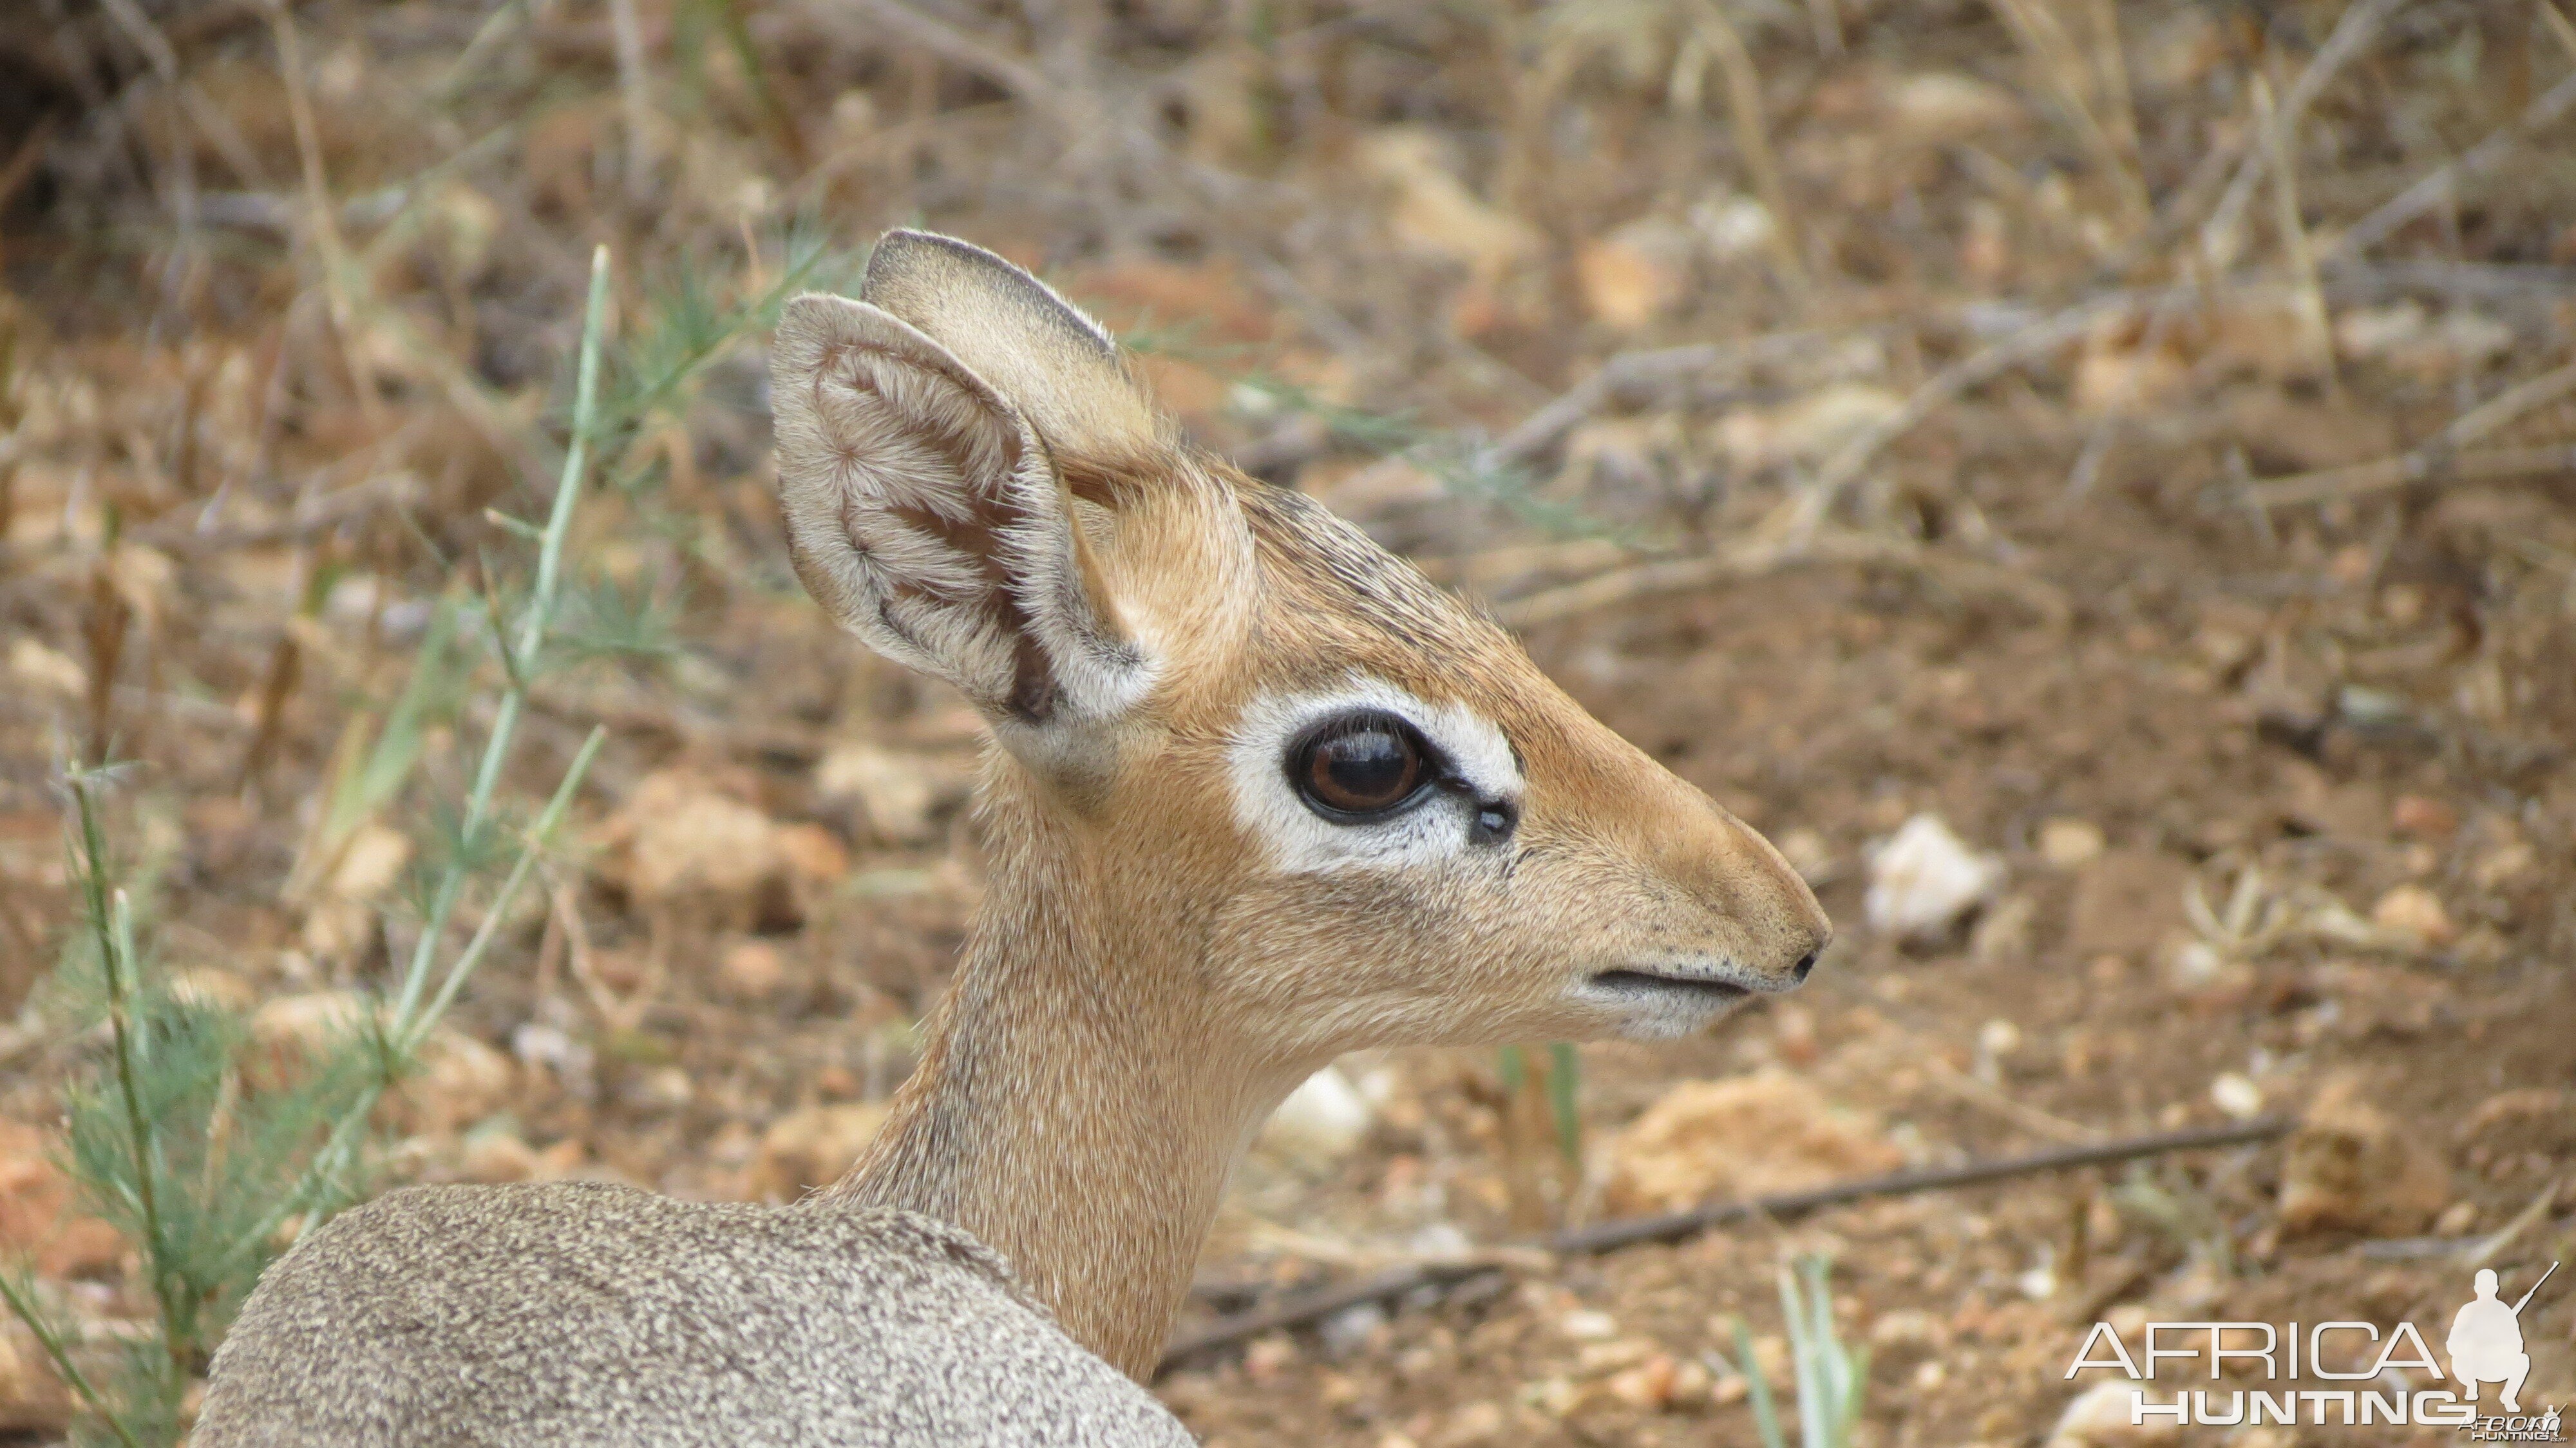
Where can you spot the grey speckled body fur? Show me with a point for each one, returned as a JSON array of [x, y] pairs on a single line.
[[585, 1313]]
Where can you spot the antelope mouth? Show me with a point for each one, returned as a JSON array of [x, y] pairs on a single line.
[[1646, 984]]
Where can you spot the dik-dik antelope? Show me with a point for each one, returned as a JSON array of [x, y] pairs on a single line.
[[1261, 795]]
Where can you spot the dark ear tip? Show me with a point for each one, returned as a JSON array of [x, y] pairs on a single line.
[[921, 275], [904, 250]]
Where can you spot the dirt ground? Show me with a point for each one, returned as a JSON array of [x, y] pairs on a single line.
[[1874, 411]]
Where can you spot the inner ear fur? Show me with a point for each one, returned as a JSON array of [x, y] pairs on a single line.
[[925, 514]]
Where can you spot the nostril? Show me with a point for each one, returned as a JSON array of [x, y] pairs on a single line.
[[1807, 963]]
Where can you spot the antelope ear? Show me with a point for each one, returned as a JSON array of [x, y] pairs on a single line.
[[924, 513], [1058, 367]]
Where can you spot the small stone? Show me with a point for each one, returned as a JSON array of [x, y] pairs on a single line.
[[369, 863], [894, 794], [1635, 274], [1476, 1425], [2456, 1219], [2193, 964], [1555, 1397], [1904, 1328], [814, 853], [2069, 844], [2099, 1417], [2350, 1167], [1741, 1137], [1997, 1038], [1933, 108], [664, 1088], [1793, 1035], [2416, 915], [2425, 819], [2482, 945], [1588, 1326], [684, 845], [1352, 1329], [1647, 1387], [753, 969], [2237, 1095], [51, 670], [1923, 878], [2503, 865], [1268, 1357], [461, 1081], [1321, 1122], [1597, 1358], [497, 1156]]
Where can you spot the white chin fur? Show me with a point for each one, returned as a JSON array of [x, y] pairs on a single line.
[[1670, 1023], [1642, 1012]]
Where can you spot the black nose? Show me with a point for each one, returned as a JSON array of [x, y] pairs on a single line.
[[1807, 962]]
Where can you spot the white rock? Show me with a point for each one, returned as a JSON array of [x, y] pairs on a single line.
[[1733, 226], [1939, 108], [51, 670], [2374, 332], [2237, 1095], [1587, 1325], [2070, 844], [2099, 1418], [1924, 877], [1320, 1122], [2195, 963], [370, 864], [1349, 1330]]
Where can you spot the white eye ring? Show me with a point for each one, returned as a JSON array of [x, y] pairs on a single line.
[[1471, 799]]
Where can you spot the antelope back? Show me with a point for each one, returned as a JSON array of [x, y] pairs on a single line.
[[1297, 796]]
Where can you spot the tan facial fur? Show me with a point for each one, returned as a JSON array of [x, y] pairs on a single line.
[[1172, 938]]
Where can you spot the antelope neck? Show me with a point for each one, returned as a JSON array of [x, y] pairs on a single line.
[[1071, 1113]]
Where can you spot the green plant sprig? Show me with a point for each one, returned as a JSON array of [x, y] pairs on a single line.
[[1829, 1376], [417, 1010]]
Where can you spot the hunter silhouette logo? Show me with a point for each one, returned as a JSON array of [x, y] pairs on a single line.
[[2364, 1370], [2486, 1340]]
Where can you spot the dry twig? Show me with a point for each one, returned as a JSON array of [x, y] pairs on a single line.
[[1631, 1231], [2354, 30], [1756, 558], [2328, 484], [2473, 164], [2440, 458]]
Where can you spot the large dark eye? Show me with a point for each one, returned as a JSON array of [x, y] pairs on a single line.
[[1365, 765]]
